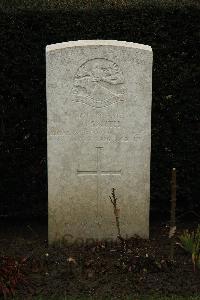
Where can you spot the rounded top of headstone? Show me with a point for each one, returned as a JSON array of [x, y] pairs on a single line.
[[82, 43]]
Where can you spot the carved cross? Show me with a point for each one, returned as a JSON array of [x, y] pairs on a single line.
[[98, 172]]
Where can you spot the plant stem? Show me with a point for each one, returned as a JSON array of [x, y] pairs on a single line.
[[113, 200], [173, 213]]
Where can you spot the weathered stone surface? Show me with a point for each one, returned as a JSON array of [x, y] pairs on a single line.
[[99, 135]]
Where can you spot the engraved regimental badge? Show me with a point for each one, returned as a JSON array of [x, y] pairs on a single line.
[[99, 83]]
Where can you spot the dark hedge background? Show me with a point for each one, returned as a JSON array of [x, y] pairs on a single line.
[[174, 35]]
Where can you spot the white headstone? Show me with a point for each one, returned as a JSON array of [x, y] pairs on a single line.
[[99, 137]]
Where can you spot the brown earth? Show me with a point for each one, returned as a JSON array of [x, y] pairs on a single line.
[[106, 269]]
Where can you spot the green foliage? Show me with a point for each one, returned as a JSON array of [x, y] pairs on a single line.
[[190, 241]]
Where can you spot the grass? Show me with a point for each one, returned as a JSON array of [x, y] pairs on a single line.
[[91, 4]]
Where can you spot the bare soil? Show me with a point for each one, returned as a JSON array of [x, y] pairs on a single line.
[[100, 269]]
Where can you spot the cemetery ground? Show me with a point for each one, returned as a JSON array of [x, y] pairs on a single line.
[[142, 269]]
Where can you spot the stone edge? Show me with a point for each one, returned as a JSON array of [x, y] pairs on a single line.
[[84, 43]]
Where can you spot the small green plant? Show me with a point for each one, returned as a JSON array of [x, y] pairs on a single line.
[[10, 275], [190, 241]]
